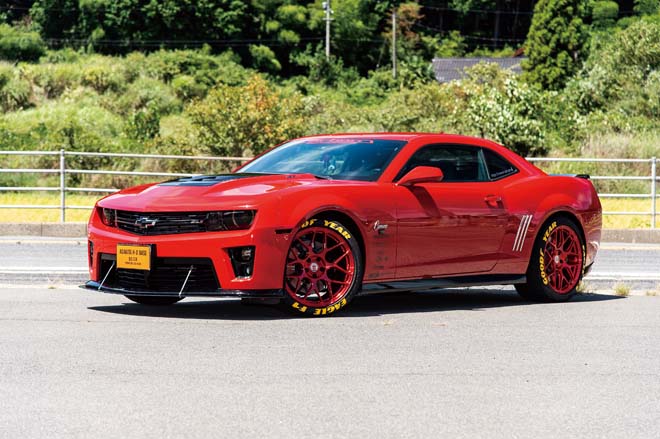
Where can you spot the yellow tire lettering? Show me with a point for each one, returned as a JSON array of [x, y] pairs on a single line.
[[552, 227], [329, 309], [297, 306], [544, 278], [308, 223]]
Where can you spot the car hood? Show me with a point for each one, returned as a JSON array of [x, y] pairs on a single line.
[[216, 192]]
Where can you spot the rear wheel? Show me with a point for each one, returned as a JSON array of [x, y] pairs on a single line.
[[323, 270], [154, 300], [557, 263]]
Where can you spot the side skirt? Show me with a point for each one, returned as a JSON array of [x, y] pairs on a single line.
[[446, 282]]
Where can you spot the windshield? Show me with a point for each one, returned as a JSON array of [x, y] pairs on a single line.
[[335, 158]]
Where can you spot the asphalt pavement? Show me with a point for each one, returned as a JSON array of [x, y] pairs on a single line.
[[459, 364]]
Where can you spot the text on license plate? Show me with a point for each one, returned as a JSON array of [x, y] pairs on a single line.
[[136, 257]]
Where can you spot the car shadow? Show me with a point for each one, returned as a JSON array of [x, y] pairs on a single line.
[[362, 306]]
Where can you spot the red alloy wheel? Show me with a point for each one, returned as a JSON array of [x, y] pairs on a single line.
[[562, 258], [320, 267]]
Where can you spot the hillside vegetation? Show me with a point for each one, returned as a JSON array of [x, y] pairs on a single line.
[[210, 101]]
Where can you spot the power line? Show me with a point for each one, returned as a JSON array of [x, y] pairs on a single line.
[[170, 43], [480, 11], [469, 37]]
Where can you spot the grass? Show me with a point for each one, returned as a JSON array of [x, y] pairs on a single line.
[[628, 205], [622, 290], [44, 215], [583, 287], [53, 215]]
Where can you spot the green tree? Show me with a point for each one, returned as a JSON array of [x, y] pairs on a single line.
[[604, 14], [354, 28], [647, 7], [555, 42], [233, 121], [19, 44]]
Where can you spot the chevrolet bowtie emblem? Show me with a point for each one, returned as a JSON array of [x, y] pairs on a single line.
[[144, 222]]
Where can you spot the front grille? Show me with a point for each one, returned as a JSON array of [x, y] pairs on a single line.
[[166, 275], [161, 223]]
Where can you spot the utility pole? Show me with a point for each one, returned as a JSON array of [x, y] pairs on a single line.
[[394, 43], [328, 13]]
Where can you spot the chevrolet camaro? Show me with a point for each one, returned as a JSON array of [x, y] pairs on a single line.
[[318, 220]]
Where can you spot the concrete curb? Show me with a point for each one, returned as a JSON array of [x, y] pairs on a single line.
[[79, 230], [646, 236], [56, 230]]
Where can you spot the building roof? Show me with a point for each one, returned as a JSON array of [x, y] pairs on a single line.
[[451, 69]]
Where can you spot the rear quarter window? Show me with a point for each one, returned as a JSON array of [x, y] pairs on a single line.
[[498, 166]]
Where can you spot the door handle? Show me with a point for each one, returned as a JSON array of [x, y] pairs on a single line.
[[493, 200]]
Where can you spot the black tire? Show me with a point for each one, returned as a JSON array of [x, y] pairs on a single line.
[[323, 269], [154, 300], [555, 278]]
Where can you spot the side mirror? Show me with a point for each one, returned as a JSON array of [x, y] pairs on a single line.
[[421, 174]]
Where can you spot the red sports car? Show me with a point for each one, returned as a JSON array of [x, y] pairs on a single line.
[[318, 220]]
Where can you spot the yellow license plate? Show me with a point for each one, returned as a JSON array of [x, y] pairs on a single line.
[[136, 257]]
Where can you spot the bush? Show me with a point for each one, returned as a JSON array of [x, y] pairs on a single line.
[[186, 87], [66, 55], [235, 121], [74, 126], [323, 70], [20, 45], [264, 59], [54, 79], [647, 7], [207, 69], [104, 74], [145, 101], [617, 69], [144, 123], [15, 91], [6, 73], [604, 14], [147, 92], [499, 106]]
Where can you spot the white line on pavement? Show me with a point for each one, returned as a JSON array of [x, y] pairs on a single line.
[[38, 270]]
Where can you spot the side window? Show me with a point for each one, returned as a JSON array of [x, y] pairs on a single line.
[[498, 167], [457, 162]]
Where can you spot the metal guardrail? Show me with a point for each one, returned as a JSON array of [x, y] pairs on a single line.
[[63, 171], [653, 179]]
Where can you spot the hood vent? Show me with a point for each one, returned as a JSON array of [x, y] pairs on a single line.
[[207, 180]]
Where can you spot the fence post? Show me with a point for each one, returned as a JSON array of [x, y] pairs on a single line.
[[654, 177], [62, 187]]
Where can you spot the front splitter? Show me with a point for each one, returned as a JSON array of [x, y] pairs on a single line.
[[265, 294]]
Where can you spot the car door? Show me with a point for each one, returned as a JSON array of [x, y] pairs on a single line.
[[454, 226]]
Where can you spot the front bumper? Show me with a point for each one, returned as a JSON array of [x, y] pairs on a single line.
[[265, 280]]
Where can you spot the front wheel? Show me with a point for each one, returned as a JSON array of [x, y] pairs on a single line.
[[324, 268], [154, 300], [557, 263]]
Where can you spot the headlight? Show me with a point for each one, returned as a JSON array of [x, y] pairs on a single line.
[[229, 220], [108, 217]]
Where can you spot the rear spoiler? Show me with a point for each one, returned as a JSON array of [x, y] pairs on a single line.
[[583, 176]]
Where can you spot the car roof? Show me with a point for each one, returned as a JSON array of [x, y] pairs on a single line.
[[405, 136]]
